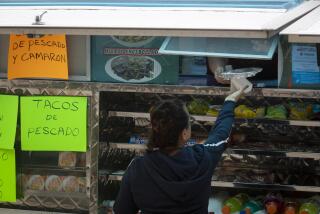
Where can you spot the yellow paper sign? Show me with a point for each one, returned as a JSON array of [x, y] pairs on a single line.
[[44, 57], [7, 175], [8, 120]]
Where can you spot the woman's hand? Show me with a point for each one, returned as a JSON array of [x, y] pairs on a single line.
[[235, 96]]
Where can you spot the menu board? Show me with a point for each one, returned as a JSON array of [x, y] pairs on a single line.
[[7, 176], [8, 120], [43, 57], [53, 123]]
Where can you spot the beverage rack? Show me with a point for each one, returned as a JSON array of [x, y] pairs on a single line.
[[277, 155]]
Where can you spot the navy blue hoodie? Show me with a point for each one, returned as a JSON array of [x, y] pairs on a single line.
[[159, 183]]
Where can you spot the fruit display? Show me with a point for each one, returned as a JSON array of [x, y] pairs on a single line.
[[290, 110], [277, 112], [243, 111], [300, 111], [198, 106]]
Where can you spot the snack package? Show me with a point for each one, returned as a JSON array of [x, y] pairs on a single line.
[[243, 111], [198, 106], [300, 111], [70, 184], [35, 182], [213, 111], [67, 159], [277, 112], [315, 112], [22, 180], [82, 184], [53, 183]]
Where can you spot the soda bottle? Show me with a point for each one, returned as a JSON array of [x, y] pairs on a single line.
[[216, 202], [291, 207], [311, 206], [273, 203], [252, 206], [235, 203]]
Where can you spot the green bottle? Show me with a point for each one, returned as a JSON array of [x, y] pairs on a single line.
[[312, 206], [252, 206], [235, 203]]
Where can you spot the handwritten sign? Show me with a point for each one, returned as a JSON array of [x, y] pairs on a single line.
[[53, 123], [44, 57], [7, 175], [8, 120]]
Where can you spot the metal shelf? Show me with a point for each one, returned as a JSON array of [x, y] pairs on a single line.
[[128, 146], [287, 154], [77, 171], [224, 184], [204, 118], [265, 186], [39, 193], [88, 88], [234, 151]]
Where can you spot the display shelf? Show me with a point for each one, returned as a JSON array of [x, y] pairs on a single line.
[[277, 153], [52, 169], [118, 177], [16, 211], [205, 90], [40, 193], [212, 119]]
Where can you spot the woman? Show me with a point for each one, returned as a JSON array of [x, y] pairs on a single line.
[[172, 178]]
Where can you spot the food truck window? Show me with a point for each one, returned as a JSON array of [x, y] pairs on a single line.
[[220, 47], [228, 54], [269, 4]]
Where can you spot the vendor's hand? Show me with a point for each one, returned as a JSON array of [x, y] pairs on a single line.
[[235, 96]]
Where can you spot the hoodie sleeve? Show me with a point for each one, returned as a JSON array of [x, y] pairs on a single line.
[[220, 132], [124, 203]]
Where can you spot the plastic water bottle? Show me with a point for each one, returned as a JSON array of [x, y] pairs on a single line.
[[235, 203]]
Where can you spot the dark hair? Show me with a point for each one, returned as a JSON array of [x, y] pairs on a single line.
[[168, 119]]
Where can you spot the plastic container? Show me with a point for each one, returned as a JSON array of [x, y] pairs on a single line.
[[273, 203], [311, 206], [238, 83], [252, 206], [235, 203]]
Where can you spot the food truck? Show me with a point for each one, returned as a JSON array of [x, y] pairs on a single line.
[[82, 77]]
